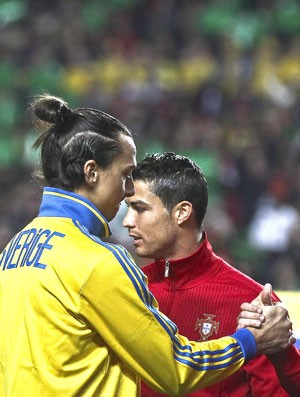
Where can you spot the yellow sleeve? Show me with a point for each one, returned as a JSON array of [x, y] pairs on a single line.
[[119, 305]]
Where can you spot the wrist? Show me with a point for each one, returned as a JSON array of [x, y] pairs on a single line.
[[247, 342]]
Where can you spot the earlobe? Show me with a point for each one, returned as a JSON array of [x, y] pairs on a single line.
[[94, 179]]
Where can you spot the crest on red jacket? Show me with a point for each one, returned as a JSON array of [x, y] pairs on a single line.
[[207, 326]]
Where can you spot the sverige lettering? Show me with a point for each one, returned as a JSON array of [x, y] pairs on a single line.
[[27, 248]]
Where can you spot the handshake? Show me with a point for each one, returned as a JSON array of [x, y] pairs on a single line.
[[269, 322], [273, 330]]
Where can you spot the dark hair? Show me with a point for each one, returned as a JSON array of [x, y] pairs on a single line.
[[69, 138], [174, 178]]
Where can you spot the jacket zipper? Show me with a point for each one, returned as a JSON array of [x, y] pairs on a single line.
[[167, 274], [167, 269]]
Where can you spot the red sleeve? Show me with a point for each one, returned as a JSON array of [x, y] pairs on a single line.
[[262, 378], [287, 366]]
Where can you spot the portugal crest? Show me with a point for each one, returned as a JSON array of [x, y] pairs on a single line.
[[207, 326]]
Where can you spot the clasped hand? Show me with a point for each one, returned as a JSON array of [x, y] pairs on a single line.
[[268, 321]]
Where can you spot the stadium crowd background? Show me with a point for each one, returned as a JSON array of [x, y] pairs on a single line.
[[218, 81]]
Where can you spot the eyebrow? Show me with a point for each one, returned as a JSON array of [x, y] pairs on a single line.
[[136, 202]]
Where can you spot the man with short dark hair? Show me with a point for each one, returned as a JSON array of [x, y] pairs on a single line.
[[196, 288]]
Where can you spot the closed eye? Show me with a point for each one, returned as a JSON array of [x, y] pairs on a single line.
[[139, 210]]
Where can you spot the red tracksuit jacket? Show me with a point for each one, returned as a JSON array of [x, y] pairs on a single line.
[[202, 294]]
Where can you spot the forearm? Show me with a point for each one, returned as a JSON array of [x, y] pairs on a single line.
[[170, 363], [262, 378], [127, 318], [287, 366]]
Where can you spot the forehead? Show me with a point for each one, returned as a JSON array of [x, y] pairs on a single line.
[[143, 189], [128, 155], [144, 195]]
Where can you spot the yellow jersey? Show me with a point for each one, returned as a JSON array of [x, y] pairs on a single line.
[[77, 317]]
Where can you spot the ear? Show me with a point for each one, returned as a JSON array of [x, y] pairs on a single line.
[[182, 211], [91, 172]]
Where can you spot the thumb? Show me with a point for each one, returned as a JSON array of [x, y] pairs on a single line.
[[264, 298], [266, 295]]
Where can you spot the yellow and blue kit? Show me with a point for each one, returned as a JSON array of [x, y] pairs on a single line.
[[77, 317]]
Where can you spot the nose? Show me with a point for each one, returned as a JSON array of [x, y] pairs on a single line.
[[128, 219], [129, 188]]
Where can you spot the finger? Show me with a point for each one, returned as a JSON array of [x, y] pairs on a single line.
[[264, 298], [268, 287], [248, 322], [251, 307], [245, 314], [266, 295]]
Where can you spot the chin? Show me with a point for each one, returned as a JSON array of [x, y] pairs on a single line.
[[143, 254], [110, 217]]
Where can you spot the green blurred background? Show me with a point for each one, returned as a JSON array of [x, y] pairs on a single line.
[[217, 81]]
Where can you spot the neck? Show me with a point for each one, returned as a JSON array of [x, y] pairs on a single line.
[[186, 246]]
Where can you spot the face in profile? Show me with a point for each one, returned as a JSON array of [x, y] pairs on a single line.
[[115, 182], [149, 223]]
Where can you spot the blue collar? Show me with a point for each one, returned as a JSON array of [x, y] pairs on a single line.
[[65, 204]]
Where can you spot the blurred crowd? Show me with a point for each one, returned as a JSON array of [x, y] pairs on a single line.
[[217, 81]]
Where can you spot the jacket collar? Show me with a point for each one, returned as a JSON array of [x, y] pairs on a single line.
[[200, 265], [65, 204]]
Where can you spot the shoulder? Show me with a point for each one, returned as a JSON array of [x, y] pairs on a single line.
[[239, 280]]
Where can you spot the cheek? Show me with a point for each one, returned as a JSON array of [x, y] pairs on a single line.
[[158, 244], [118, 188], [157, 232]]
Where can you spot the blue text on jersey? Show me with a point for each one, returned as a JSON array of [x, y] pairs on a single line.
[[27, 247]]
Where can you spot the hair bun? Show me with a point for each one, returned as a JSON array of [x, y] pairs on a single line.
[[51, 109], [63, 113]]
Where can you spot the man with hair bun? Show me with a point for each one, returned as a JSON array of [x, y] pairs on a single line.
[[77, 317]]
